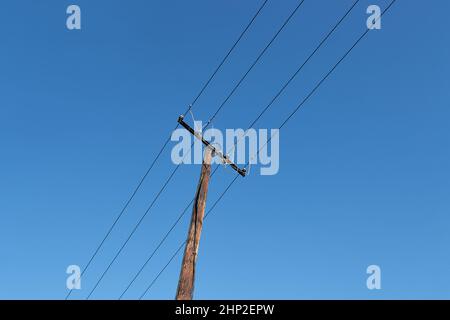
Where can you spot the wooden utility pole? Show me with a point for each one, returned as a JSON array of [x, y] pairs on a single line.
[[185, 287], [187, 275]]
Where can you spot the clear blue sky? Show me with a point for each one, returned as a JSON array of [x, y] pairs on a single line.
[[364, 174]]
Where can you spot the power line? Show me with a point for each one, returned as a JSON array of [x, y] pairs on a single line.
[[206, 84], [209, 122], [254, 121], [295, 74], [132, 233], [162, 241], [255, 62], [227, 55], [281, 126], [120, 214], [181, 246]]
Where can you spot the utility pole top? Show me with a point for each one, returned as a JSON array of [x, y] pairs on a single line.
[[215, 151]]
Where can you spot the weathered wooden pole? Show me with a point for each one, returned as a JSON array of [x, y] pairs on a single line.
[[185, 288]]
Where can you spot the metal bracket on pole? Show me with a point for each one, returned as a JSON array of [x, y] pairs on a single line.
[[217, 152]]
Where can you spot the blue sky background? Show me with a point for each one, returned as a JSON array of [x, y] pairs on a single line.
[[364, 174]]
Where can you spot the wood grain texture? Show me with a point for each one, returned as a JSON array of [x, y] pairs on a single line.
[[185, 288]]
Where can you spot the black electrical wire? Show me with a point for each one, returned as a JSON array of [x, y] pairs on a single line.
[[161, 242], [209, 122], [168, 139], [254, 121], [281, 126]]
